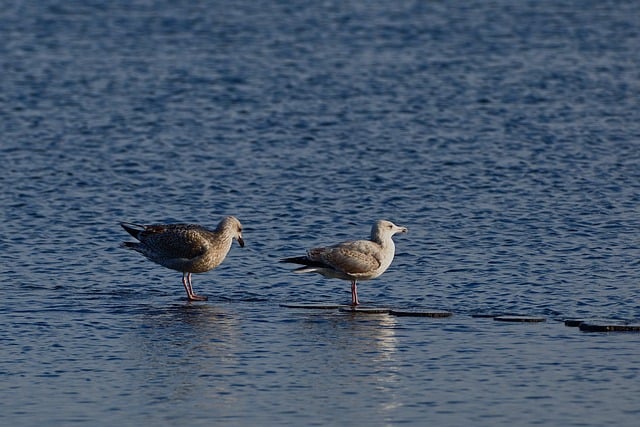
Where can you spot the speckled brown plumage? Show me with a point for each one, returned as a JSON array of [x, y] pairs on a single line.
[[188, 248]]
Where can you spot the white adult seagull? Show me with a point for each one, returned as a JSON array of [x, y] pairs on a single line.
[[353, 260]]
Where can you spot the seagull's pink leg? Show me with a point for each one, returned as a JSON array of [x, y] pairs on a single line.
[[354, 293], [189, 284], [192, 295], [185, 284]]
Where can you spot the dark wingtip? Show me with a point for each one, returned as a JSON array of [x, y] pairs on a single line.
[[133, 229]]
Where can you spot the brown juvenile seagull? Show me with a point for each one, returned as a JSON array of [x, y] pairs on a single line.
[[353, 260], [188, 248]]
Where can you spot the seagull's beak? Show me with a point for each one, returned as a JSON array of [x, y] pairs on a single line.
[[241, 241], [403, 229]]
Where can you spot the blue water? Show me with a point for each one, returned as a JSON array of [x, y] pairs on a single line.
[[504, 135]]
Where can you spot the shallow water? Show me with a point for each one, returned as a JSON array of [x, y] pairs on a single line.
[[505, 137]]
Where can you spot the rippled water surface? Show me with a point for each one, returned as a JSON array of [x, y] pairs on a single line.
[[504, 135]]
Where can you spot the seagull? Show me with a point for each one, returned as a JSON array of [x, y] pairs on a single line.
[[189, 248], [353, 260]]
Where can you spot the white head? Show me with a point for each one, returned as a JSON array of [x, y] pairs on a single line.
[[383, 230]]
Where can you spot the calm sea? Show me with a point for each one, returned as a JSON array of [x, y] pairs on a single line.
[[505, 136]]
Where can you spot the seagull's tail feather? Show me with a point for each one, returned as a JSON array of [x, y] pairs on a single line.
[[131, 245], [297, 260], [309, 265], [133, 229], [306, 269], [304, 261]]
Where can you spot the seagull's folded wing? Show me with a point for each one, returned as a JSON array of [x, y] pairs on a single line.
[[176, 243], [354, 258]]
